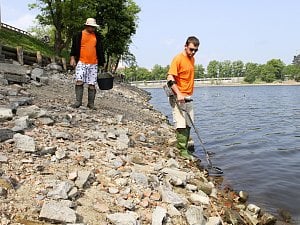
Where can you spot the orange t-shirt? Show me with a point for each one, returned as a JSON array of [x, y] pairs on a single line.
[[88, 52], [182, 69]]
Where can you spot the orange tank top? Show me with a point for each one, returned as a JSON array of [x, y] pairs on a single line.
[[88, 52]]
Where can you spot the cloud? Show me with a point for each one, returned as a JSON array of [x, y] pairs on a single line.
[[23, 22]]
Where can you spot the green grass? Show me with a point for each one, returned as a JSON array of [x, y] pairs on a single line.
[[13, 39]]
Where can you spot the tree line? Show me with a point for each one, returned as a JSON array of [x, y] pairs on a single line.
[[118, 20], [269, 72]]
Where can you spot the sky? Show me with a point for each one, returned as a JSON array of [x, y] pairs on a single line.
[[250, 30]]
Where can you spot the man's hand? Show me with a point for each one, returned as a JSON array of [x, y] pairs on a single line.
[[72, 61], [180, 97]]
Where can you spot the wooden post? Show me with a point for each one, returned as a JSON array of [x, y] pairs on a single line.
[[39, 58], [64, 62], [2, 57], [20, 55]]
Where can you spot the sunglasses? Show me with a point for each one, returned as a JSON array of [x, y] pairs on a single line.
[[193, 49]]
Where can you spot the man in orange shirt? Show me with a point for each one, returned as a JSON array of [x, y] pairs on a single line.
[[181, 81], [86, 54]]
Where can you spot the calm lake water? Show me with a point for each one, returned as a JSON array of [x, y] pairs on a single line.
[[255, 133]]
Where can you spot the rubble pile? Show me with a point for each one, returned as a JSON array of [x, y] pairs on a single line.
[[114, 165]]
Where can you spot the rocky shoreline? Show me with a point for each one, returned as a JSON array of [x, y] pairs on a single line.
[[114, 165]]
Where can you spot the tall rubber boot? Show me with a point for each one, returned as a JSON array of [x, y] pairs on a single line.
[[79, 94], [182, 136], [91, 98]]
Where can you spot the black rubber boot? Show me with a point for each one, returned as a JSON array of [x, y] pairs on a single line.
[[79, 94], [91, 98]]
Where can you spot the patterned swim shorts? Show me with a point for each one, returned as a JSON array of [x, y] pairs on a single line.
[[86, 73]]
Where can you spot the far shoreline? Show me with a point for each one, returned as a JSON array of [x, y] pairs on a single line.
[[236, 84]]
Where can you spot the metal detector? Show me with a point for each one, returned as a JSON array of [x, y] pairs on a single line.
[[212, 170]]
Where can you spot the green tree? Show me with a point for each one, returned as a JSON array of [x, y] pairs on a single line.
[[199, 71], [251, 72], [65, 16], [118, 20], [292, 71], [137, 74], [225, 69], [277, 66], [159, 73], [268, 73], [212, 69], [238, 68]]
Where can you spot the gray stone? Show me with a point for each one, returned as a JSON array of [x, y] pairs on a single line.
[[3, 158], [175, 173], [214, 221], [128, 204], [172, 211], [268, 219], [57, 212], [121, 181], [60, 191], [21, 124], [55, 66], [5, 114], [37, 73], [24, 143], [199, 198], [60, 154], [73, 193], [6, 134], [48, 150], [32, 111], [123, 140], [62, 135], [172, 163], [249, 217], [171, 197], [140, 179], [12, 69], [158, 215], [243, 196], [233, 217], [191, 187], [253, 209], [21, 101], [113, 190], [46, 121], [82, 178], [128, 218], [194, 215]]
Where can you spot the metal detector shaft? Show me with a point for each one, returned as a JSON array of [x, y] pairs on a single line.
[[196, 131]]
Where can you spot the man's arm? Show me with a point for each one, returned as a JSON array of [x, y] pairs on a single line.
[[73, 52], [180, 96]]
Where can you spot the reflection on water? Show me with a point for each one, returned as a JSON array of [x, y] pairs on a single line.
[[255, 133]]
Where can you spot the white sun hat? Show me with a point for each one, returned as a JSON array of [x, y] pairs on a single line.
[[91, 22]]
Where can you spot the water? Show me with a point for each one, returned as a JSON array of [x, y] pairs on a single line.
[[255, 133]]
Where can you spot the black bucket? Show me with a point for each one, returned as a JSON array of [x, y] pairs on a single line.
[[105, 83]]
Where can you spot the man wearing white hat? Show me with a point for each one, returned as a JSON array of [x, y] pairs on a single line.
[[86, 55]]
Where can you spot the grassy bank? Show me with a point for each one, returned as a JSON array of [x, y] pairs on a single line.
[[13, 39]]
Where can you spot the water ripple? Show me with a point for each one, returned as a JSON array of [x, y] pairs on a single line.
[[254, 132]]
